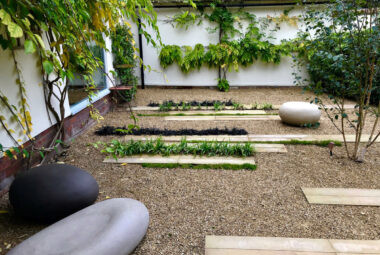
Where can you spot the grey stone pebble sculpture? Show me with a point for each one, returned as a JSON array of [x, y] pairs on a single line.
[[112, 227]]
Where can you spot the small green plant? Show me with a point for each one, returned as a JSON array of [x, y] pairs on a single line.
[[218, 106], [185, 106], [312, 125], [166, 106], [202, 166], [266, 106], [237, 106], [119, 149], [223, 85]]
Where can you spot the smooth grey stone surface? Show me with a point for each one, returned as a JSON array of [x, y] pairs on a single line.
[[112, 227], [299, 113], [51, 192]]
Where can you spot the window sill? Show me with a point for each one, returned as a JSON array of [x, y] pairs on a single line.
[[86, 102]]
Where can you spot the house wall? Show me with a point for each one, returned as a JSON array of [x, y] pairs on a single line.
[[43, 129], [258, 74]]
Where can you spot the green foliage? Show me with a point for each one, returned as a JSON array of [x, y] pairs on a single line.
[[124, 53], [223, 85], [170, 54], [185, 19], [124, 63], [340, 49], [193, 58], [119, 149], [238, 106], [71, 31], [191, 166], [228, 54]]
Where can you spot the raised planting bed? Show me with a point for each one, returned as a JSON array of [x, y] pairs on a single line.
[[117, 149], [205, 105], [121, 131], [208, 113]]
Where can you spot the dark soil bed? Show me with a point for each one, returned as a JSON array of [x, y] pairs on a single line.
[[110, 130]]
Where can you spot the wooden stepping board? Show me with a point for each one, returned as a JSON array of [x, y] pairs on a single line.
[[221, 118], [140, 159], [331, 196], [242, 245], [251, 138]]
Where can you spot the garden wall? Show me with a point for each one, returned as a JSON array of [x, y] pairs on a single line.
[[259, 74]]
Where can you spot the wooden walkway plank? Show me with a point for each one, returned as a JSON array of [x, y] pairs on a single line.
[[243, 245], [139, 159], [223, 118], [251, 138], [364, 197]]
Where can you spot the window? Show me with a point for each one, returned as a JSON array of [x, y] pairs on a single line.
[[78, 97]]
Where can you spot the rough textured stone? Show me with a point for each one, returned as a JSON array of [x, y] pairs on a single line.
[[51, 192], [114, 226], [299, 113]]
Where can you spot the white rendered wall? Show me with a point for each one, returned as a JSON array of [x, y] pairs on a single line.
[[258, 74], [34, 91], [35, 96]]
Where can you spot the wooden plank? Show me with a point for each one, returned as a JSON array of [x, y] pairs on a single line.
[[139, 159], [243, 245], [223, 118], [341, 192], [365, 197], [263, 252], [269, 252], [268, 243], [251, 138]]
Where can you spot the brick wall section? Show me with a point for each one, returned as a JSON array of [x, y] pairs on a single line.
[[74, 126]]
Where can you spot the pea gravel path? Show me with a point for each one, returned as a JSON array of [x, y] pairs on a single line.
[[186, 205]]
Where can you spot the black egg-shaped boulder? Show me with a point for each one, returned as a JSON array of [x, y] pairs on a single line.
[[51, 192]]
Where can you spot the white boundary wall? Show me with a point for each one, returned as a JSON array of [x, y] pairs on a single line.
[[258, 74]]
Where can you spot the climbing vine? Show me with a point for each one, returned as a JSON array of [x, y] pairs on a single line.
[[60, 34], [229, 53], [124, 51]]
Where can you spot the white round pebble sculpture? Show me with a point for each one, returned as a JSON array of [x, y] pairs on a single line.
[[114, 226], [299, 113]]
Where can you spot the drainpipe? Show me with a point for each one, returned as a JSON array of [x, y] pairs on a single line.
[[141, 56]]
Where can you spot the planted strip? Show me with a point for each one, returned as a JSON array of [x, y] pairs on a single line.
[[122, 131], [205, 166], [118, 149]]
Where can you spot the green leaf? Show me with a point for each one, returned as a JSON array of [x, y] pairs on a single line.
[[42, 154], [9, 154], [29, 46], [48, 66], [5, 17], [26, 153], [1, 147], [15, 30]]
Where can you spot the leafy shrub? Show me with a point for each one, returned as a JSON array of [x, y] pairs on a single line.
[[124, 59], [223, 85], [170, 54]]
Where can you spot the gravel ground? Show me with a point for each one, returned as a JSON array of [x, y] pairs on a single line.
[[186, 205]]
